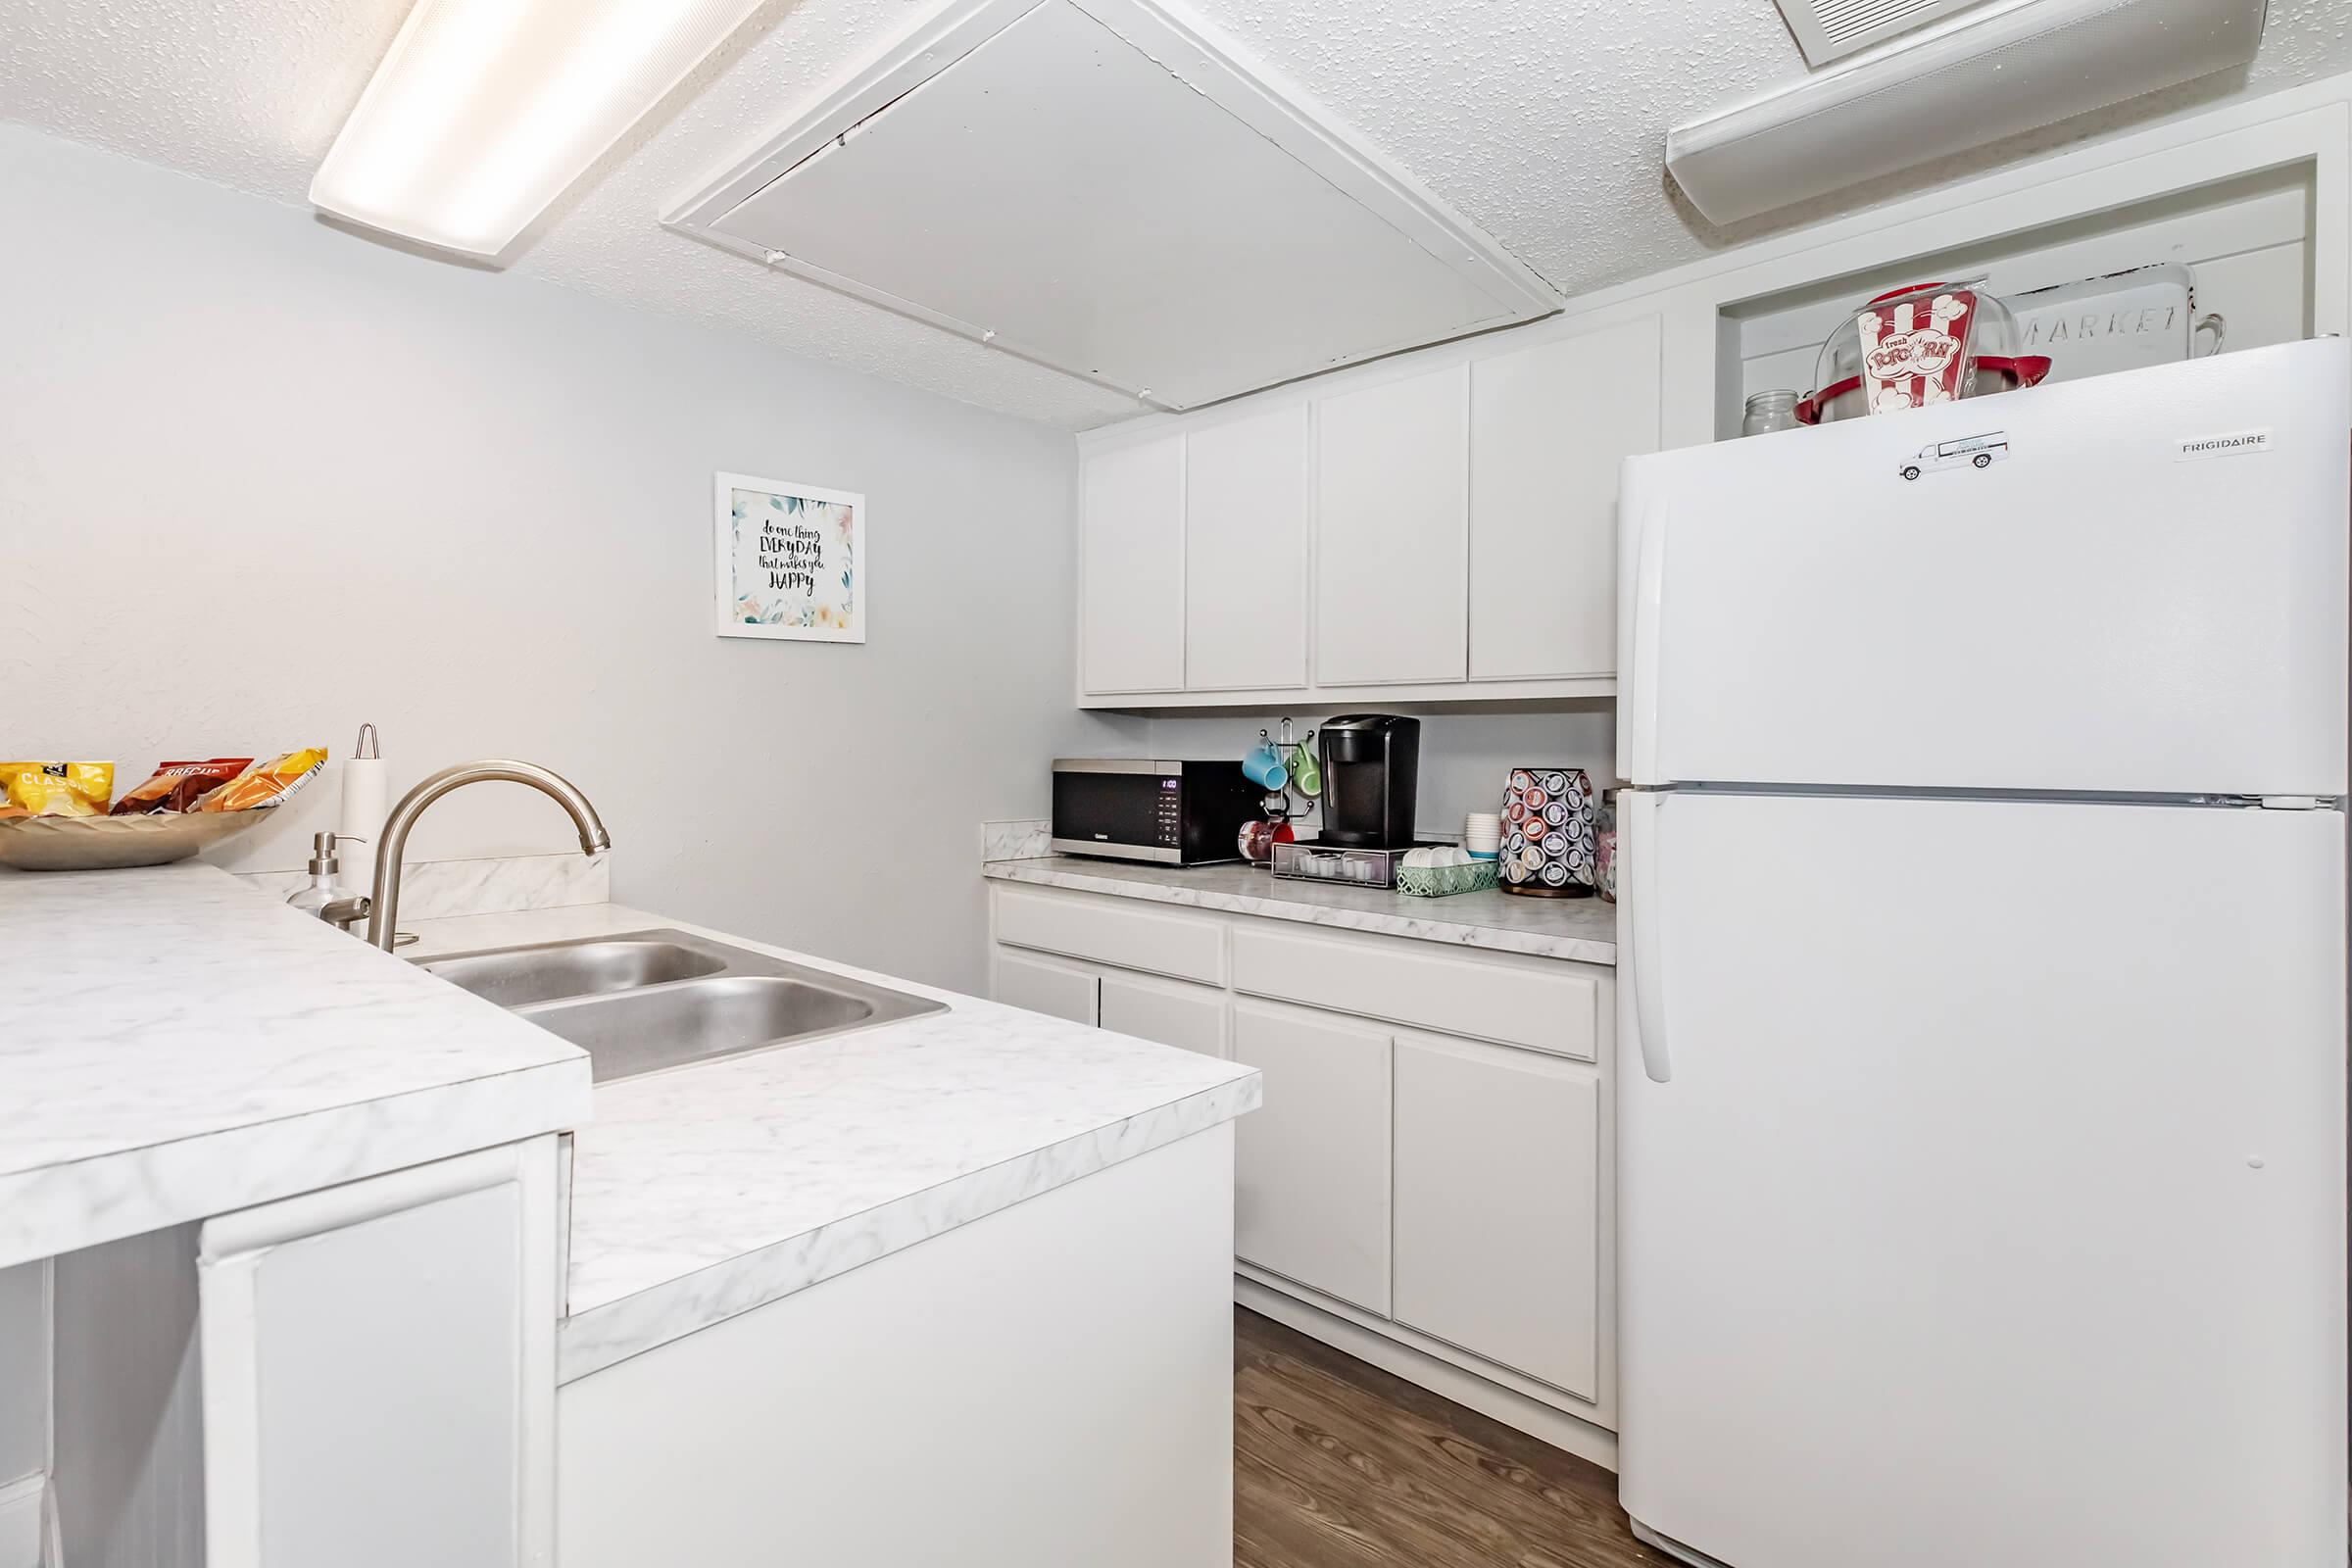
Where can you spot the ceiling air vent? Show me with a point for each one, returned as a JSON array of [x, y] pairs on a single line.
[[1830, 30]]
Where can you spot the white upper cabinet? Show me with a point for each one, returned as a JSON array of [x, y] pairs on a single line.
[[1245, 559], [1391, 556], [1548, 427], [1131, 601], [1442, 536]]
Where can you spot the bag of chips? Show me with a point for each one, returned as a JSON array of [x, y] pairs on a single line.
[[58, 789], [266, 783], [176, 786]]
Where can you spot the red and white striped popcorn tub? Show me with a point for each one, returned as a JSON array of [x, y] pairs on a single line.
[[1914, 346]]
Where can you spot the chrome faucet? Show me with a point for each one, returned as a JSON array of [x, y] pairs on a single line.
[[383, 909]]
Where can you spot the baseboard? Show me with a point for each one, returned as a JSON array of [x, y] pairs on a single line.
[[1488, 1398], [22, 1514], [1673, 1548]]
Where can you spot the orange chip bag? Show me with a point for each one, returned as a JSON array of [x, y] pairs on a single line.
[[58, 789], [266, 783], [179, 786]]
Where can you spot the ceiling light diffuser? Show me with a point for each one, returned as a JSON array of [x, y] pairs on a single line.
[[485, 110]]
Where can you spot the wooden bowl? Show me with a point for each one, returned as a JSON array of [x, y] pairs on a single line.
[[114, 843]]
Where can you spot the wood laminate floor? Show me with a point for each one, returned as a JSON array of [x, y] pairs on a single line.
[[1339, 1465]]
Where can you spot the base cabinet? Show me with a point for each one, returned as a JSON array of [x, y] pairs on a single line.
[[1057, 990], [1059, 1375], [1451, 1196], [1311, 1174], [1497, 1223], [379, 1370], [1187, 1017]]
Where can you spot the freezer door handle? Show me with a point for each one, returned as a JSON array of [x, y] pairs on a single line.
[[1638, 717], [1639, 813]]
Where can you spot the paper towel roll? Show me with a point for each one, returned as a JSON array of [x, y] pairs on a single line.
[[363, 815]]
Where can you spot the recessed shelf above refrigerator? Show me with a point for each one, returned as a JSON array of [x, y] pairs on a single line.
[[1099, 187]]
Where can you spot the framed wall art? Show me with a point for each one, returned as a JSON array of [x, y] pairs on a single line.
[[791, 560]]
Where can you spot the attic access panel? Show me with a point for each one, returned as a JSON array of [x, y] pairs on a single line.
[[1094, 186]]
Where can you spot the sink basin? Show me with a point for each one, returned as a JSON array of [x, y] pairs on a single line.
[[513, 976], [669, 1026], [649, 1001]]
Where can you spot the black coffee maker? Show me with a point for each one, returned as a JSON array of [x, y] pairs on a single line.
[[1371, 763]]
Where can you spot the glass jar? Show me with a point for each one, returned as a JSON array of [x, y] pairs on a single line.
[[1768, 412]]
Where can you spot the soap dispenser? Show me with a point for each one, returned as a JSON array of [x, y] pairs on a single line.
[[323, 889]]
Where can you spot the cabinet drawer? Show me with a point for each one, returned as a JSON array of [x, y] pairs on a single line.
[[1108, 932], [1530, 1001]]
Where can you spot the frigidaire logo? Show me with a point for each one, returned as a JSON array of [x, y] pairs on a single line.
[[2227, 446]]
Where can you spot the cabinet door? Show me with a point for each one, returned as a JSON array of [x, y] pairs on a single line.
[[1131, 594], [1548, 427], [1498, 1206], [1392, 551], [1057, 990], [1311, 1166], [379, 1370], [1245, 552], [1189, 1017]]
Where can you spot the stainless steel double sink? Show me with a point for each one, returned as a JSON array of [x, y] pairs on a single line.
[[649, 1001]]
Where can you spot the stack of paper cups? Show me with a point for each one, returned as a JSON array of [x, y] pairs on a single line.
[[1482, 834], [362, 813]]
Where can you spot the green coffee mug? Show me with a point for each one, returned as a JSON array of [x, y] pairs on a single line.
[[1306, 774]]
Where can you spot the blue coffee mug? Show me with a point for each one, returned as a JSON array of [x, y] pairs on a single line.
[[1262, 765]]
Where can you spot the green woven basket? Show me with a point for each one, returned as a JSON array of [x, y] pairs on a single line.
[[1445, 881]]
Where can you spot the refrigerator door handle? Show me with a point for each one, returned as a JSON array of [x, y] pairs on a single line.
[[1639, 681], [1637, 903]]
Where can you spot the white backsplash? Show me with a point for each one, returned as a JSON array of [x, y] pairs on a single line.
[[434, 890], [1027, 840]]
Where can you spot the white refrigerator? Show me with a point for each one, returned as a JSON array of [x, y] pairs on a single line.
[[1981, 980]]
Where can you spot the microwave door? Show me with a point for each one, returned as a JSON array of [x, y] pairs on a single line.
[[1128, 816]]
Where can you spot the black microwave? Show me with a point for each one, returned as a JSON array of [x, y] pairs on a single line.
[[1172, 813]]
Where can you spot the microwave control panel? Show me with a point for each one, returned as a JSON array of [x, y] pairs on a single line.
[[1169, 824]]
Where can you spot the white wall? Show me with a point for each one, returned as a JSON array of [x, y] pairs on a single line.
[[1465, 757], [261, 479]]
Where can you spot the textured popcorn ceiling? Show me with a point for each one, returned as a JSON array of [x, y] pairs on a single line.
[[1542, 120]]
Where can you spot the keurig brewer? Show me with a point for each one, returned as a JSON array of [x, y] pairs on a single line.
[[1371, 763]]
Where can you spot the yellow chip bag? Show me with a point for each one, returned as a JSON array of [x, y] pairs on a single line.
[[58, 789], [266, 783]]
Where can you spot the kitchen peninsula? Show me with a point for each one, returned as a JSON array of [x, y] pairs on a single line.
[[262, 1173]]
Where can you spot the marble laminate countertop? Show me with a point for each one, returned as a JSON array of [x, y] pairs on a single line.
[[708, 1191], [176, 1044], [1583, 929]]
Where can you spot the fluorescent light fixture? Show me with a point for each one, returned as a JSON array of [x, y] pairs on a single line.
[[1972, 79], [485, 110]]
